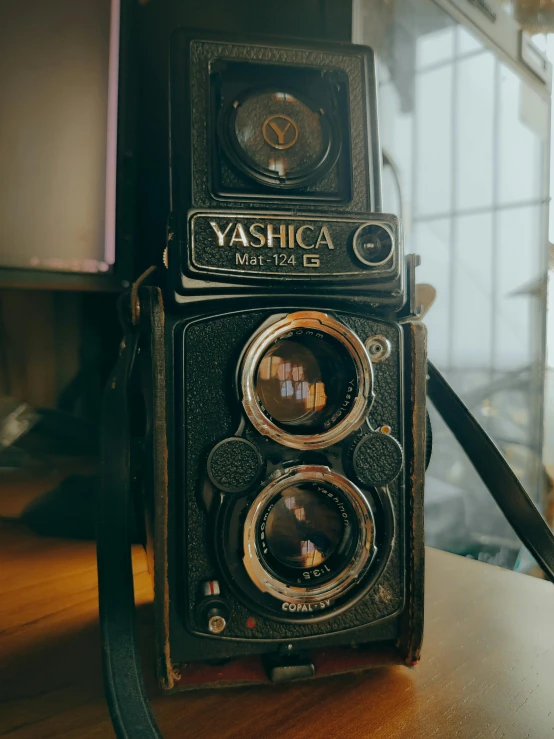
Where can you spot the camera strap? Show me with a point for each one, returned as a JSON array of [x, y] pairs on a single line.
[[125, 691], [510, 495]]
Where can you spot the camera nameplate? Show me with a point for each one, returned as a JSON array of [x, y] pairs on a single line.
[[265, 246]]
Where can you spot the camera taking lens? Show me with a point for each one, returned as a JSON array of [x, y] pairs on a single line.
[[308, 536], [306, 527]]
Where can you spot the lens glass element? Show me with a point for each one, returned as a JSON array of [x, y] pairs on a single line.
[[306, 380], [307, 533], [304, 527], [308, 537]]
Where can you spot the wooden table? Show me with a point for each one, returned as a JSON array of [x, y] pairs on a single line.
[[487, 668]]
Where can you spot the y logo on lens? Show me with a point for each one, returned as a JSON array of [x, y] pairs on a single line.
[[280, 131]]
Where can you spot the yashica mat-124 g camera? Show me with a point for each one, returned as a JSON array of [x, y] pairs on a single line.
[[288, 540], [269, 401]]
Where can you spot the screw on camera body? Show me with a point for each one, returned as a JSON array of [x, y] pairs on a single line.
[[379, 348], [216, 624]]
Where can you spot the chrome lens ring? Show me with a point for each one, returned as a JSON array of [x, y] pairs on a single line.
[[338, 585], [318, 322]]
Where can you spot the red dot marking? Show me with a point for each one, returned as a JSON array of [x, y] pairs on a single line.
[[251, 622]]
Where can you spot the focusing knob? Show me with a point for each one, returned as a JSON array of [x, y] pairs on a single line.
[[377, 459], [235, 465]]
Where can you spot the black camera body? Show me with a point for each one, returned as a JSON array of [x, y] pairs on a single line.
[[284, 380]]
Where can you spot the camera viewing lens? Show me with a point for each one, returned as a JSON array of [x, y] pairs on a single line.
[[373, 244], [306, 381], [305, 527], [302, 381], [308, 535]]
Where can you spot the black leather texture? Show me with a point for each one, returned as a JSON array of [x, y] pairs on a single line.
[[234, 465], [377, 459], [210, 350]]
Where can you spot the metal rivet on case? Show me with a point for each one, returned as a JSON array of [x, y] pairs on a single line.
[[378, 348], [216, 624]]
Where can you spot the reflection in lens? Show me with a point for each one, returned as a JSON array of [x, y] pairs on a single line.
[[303, 381], [304, 527]]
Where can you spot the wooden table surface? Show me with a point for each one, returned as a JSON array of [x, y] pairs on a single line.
[[487, 668]]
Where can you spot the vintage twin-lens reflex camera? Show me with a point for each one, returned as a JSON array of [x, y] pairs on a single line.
[[283, 375]]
